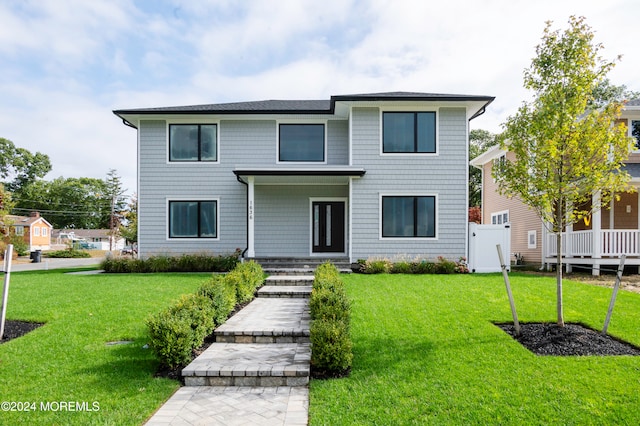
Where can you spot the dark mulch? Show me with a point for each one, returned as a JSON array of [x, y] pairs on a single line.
[[570, 340], [15, 329]]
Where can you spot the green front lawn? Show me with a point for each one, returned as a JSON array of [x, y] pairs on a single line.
[[68, 359], [426, 352]]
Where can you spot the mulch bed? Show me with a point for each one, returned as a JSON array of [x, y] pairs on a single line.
[[570, 340], [14, 329]]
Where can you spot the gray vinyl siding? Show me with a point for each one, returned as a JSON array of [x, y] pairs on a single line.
[[443, 175], [161, 181], [338, 143], [283, 217], [243, 143], [282, 212]]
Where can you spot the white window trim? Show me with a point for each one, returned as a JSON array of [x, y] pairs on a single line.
[[533, 234], [36, 231], [409, 109], [167, 223], [345, 200], [408, 194], [302, 121], [19, 230], [501, 213], [44, 232], [192, 121]]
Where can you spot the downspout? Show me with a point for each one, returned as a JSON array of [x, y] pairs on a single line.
[[246, 204]]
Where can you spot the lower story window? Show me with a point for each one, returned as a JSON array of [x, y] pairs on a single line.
[[409, 216], [193, 219]]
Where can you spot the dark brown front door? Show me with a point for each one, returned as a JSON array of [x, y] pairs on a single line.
[[328, 226]]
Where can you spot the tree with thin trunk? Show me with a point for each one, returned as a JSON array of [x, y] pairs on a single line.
[[568, 155]]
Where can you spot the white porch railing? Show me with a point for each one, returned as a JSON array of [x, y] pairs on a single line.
[[613, 242]]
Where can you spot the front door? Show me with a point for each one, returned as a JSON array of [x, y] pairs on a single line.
[[328, 226]]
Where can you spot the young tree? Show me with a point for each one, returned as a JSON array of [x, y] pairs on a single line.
[[565, 151]]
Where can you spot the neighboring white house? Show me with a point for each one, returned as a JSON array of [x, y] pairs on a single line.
[[351, 177], [94, 239]]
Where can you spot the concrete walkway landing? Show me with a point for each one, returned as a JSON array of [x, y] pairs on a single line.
[[257, 372]]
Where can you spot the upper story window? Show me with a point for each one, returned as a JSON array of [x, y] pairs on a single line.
[[193, 219], [409, 132], [193, 142], [635, 132], [301, 142], [408, 216], [36, 231]]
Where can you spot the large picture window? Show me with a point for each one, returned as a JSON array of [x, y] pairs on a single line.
[[301, 142], [409, 216], [193, 219], [193, 142], [409, 132]]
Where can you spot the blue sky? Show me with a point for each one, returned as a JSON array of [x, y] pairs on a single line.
[[66, 64]]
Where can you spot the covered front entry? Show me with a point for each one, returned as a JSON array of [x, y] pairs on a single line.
[[328, 233], [298, 212]]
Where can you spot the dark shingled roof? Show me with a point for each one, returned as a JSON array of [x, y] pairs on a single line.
[[299, 106], [634, 102]]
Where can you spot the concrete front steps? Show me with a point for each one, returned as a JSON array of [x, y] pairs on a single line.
[[299, 265], [265, 344]]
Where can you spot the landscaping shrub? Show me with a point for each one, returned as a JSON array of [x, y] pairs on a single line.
[[20, 246], [440, 266], [377, 266], [68, 253], [330, 304], [444, 266], [246, 278], [331, 347], [402, 267], [184, 263], [222, 294], [181, 328], [423, 267], [326, 276]]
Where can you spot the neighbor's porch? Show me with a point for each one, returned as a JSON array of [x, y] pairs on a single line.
[[600, 239]]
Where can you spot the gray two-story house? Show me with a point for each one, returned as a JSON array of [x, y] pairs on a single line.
[[355, 176]]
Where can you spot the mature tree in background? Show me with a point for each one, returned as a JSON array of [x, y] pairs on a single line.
[[605, 92], [565, 151], [67, 202], [19, 167], [129, 228], [479, 141], [6, 205], [115, 193]]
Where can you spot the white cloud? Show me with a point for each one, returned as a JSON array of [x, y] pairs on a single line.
[[66, 65]]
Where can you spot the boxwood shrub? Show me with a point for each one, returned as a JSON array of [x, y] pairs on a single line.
[[176, 331], [331, 347], [202, 262]]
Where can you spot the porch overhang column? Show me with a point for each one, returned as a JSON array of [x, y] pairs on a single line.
[[251, 247]]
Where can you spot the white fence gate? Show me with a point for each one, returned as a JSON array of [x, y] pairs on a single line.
[[483, 256]]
